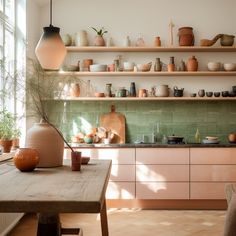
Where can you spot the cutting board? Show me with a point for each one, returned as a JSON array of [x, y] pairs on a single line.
[[115, 122]]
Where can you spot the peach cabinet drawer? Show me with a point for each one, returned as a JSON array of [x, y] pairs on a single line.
[[208, 190], [162, 173], [213, 173], [122, 173], [162, 155], [212, 155], [120, 190], [162, 190], [117, 155]]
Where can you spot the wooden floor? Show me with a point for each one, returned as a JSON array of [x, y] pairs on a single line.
[[136, 222]]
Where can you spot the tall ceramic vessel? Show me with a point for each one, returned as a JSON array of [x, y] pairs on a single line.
[[46, 140], [186, 36]]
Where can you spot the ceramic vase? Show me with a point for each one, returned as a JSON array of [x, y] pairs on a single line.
[[49, 144], [26, 159], [192, 64], [99, 41], [158, 65], [81, 39], [75, 90], [6, 144]]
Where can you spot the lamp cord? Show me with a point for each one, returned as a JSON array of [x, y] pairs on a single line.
[[50, 12]]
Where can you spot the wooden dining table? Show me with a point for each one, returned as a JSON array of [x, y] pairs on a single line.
[[51, 191]]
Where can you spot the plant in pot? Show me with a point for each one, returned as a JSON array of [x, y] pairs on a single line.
[[7, 126], [99, 40]]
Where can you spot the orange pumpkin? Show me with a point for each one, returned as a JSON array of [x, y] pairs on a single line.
[[26, 159]]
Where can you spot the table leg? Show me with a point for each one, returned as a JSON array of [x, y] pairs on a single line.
[[48, 225], [103, 216]]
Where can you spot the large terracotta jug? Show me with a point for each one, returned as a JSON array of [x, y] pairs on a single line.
[[49, 144]]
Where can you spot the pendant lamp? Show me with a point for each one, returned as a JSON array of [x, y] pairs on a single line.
[[50, 50]]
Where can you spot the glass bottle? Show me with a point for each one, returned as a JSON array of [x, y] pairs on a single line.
[[197, 137], [132, 91], [108, 90], [140, 42], [158, 65]]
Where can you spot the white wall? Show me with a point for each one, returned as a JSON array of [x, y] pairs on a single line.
[[149, 18]]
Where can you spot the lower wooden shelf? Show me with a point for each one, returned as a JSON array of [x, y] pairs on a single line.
[[143, 99]]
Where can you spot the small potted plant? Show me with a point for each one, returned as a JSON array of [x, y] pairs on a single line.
[[7, 126], [99, 40]]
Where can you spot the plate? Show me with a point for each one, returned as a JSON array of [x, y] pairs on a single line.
[[207, 141], [85, 160], [212, 138]]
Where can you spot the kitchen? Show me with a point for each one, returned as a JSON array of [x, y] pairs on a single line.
[[150, 119]]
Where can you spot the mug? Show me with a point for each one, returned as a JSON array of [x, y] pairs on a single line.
[[122, 92]]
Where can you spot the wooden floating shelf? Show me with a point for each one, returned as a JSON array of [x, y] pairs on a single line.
[[145, 99], [149, 73], [151, 49]]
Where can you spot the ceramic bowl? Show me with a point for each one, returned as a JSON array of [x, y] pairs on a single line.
[[193, 95], [98, 68], [225, 93], [144, 67], [85, 160], [128, 66], [99, 95], [71, 68], [216, 94], [209, 94], [229, 66], [214, 66]]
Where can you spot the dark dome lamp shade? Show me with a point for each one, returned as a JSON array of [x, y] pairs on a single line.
[[50, 50]]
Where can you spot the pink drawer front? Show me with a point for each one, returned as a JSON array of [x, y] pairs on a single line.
[[162, 156], [162, 173], [208, 190], [120, 190], [213, 173], [162, 190], [213, 155], [122, 173]]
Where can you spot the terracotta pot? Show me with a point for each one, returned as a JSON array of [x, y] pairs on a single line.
[[86, 64], [6, 144], [26, 159], [232, 138], [157, 42], [192, 64], [186, 36], [49, 144], [99, 41], [75, 90]]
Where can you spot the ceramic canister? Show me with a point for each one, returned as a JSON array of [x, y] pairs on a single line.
[[81, 38]]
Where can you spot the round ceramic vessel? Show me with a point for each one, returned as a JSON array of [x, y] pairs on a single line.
[[214, 66]]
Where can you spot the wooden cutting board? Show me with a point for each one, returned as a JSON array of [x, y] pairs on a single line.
[[115, 122]]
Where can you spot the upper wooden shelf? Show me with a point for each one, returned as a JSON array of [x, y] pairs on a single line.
[[149, 73], [145, 99], [151, 49]]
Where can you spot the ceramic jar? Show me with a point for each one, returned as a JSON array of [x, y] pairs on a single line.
[[48, 142], [67, 40], [142, 93], [108, 90], [81, 38], [86, 64], [26, 159], [232, 137], [186, 36], [201, 93], [162, 91], [75, 90], [192, 64], [157, 42]]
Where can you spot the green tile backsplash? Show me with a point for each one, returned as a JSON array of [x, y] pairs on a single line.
[[147, 117]]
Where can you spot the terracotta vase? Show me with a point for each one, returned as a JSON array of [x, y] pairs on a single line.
[[99, 41], [157, 42], [186, 36], [6, 144], [26, 159], [192, 64], [49, 144], [75, 90]]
